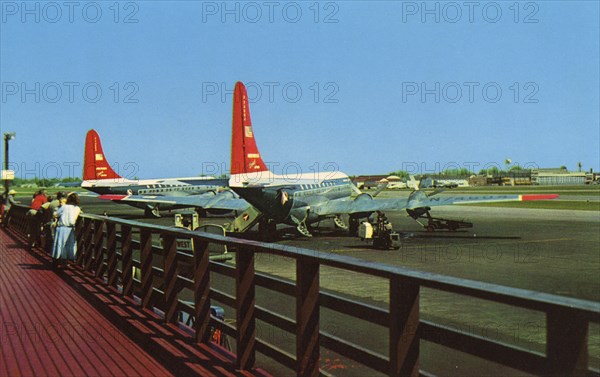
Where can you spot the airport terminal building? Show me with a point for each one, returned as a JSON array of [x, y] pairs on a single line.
[[554, 177], [542, 176]]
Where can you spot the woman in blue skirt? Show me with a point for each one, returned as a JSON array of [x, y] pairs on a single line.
[[65, 241]]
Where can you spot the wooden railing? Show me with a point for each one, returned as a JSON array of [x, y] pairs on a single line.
[[106, 247]]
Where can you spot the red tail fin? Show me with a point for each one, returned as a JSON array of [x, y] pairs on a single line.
[[95, 165], [245, 157]]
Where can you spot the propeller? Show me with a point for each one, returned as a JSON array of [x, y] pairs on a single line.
[[435, 192], [356, 189], [380, 188]]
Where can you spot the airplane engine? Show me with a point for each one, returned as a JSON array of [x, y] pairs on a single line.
[[275, 204], [363, 197], [416, 198], [354, 220]]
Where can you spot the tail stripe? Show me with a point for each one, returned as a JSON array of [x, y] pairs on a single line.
[[528, 197]]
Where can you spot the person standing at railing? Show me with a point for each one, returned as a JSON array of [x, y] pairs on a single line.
[[38, 200], [2, 200], [10, 200], [65, 243], [35, 215], [49, 218]]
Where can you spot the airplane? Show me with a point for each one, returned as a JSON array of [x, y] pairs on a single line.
[[152, 195], [412, 183], [444, 184], [308, 198]]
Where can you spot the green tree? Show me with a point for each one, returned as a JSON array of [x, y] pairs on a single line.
[[400, 173], [490, 171], [459, 172]]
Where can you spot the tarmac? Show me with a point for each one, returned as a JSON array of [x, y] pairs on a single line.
[[552, 251]]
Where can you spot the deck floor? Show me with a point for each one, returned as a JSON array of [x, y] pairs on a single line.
[[67, 323]]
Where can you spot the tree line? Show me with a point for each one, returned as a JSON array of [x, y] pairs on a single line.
[[464, 172], [44, 182]]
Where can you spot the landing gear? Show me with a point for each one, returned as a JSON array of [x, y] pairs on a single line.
[[152, 212], [339, 223], [353, 225], [436, 223], [303, 229], [301, 225]]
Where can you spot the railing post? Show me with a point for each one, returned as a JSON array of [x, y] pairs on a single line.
[[85, 249], [17, 219], [245, 315], [146, 267], [404, 327], [13, 219], [307, 318], [98, 263], [111, 251], [90, 250], [566, 343], [201, 290], [25, 223], [127, 262], [80, 234], [171, 270]]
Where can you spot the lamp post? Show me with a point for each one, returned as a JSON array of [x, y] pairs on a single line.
[[7, 136]]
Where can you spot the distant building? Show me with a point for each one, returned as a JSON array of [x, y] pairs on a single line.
[[367, 181], [394, 182], [67, 184], [29, 185], [372, 181], [445, 182], [553, 176], [478, 180], [592, 177], [514, 177]]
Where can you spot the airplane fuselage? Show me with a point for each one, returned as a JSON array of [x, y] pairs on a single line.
[[170, 186], [292, 202]]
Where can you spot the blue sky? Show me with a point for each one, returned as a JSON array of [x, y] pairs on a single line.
[[367, 87]]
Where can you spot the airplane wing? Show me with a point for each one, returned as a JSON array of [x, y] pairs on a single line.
[[223, 200], [418, 199], [361, 204]]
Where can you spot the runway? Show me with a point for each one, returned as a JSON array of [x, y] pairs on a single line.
[[552, 251]]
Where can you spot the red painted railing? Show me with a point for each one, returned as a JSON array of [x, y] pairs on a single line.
[[106, 249]]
